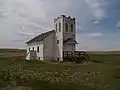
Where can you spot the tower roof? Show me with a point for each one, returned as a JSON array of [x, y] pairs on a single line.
[[70, 40]]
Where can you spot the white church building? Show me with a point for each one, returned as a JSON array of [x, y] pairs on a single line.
[[53, 44]]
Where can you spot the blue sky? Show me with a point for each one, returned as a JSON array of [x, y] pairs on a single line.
[[98, 21]]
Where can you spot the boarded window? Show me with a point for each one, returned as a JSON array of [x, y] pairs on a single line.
[[58, 59], [59, 27], [71, 27], [66, 27], [57, 41], [56, 27], [29, 49], [33, 48], [38, 49]]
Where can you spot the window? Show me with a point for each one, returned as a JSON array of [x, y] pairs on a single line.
[[57, 41], [71, 27], [56, 27], [33, 48], [37, 49], [66, 27], [59, 27], [58, 59]]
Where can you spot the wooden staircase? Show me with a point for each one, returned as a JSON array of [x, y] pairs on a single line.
[[75, 56]]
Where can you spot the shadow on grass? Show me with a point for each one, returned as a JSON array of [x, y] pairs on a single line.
[[95, 61]]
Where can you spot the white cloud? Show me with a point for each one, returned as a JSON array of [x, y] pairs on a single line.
[[97, 8], [23, 19], [95, 34], [105, 43], [118, 25], [26, 34], [96, 22], [86, 43]]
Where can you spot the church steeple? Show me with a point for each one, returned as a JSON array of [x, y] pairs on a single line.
[[65, 29]]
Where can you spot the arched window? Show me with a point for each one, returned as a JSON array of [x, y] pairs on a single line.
[[59, 27], [66, 27], [56, 27], [72, 28]]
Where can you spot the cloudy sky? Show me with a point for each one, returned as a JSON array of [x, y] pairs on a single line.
[[98, 21]]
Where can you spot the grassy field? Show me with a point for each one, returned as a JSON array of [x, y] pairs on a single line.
[[101, 73]]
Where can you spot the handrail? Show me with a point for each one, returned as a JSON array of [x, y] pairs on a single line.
[[74, 54], [27, 53], [84, 53]]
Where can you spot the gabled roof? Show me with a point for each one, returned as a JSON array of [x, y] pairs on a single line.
[[40, 37], [69, 40]]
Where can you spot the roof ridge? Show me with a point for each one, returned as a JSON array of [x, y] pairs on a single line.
[[41, 36]]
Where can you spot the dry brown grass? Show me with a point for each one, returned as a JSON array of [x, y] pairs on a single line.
[[104, 52]]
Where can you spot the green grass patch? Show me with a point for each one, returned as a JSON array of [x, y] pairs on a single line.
[[101, 73]]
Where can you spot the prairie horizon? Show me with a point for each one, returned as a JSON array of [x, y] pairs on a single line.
[[17, 49]]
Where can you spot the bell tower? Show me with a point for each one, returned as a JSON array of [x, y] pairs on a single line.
[[65, 29]]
